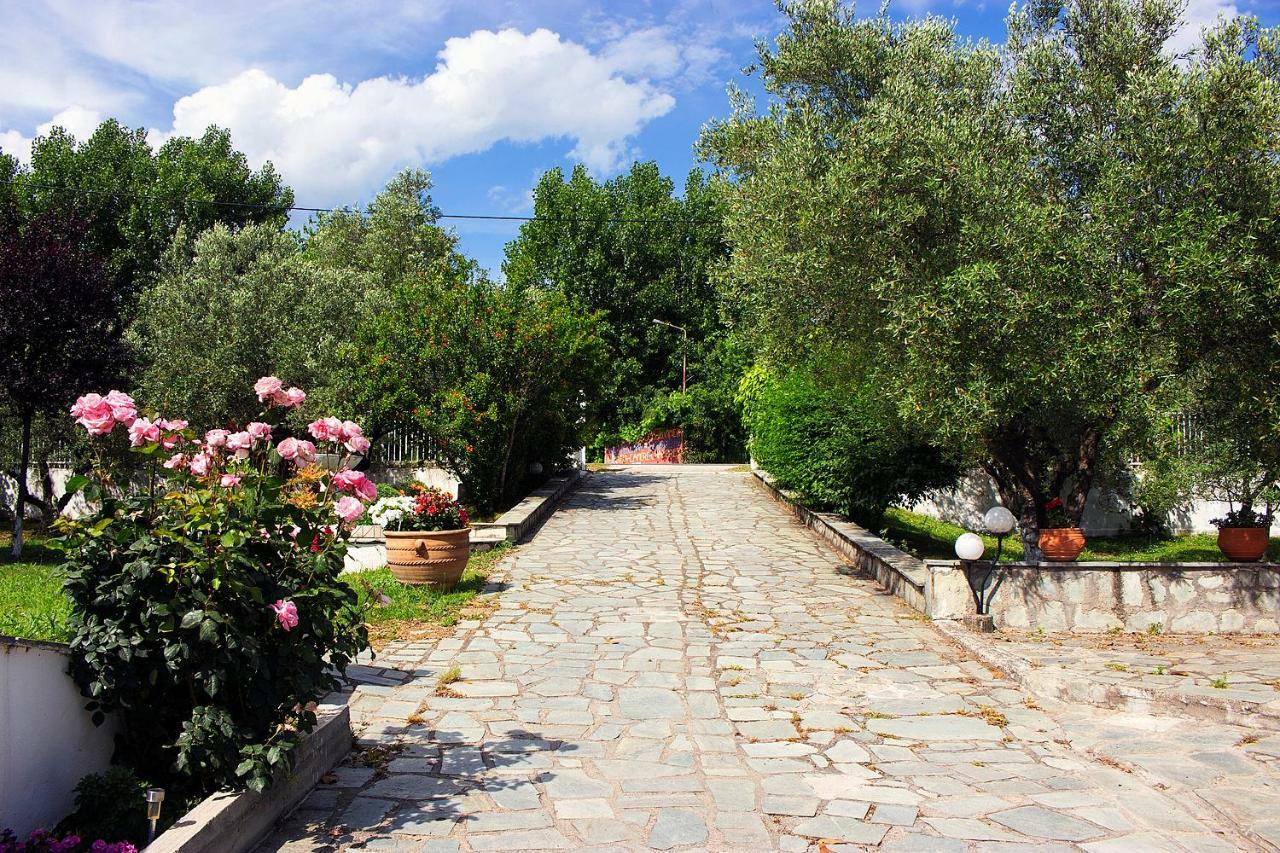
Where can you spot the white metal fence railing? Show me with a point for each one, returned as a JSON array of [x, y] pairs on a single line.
[[1188, 433], [405, 446]]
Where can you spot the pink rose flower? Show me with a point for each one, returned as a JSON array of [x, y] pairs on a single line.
[[292, 397], [200, 464], [94, 413], [240, 443], [176, 462], [356, 483], [286, 613], [353, 437], [143, 431], [169, 442], [122, 407], [172, 425], [267, 388], [288, 449], [230, 481], [259, 430], [329, 429], [217, 437], [306, 452], [348, 508]]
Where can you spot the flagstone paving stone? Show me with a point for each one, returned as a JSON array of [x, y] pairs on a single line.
[[674, 663]]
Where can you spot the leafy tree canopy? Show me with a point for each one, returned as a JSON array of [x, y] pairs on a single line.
[[233, 305], [135, 199], [634, 251], [59, 326], [1028, 245], [500, 376]]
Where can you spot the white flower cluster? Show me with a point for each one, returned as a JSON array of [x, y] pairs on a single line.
[[389, 513]]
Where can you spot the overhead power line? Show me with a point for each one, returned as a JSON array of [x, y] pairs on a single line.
[[281, 208]]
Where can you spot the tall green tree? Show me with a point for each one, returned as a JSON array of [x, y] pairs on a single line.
[[59, 328], [1029, 246], [501, 377], [234, 304], [135, 199], [635, 251]]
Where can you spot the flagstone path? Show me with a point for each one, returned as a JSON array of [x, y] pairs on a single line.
[[676, 664]]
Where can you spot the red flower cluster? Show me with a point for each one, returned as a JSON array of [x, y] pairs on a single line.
[[438, 508], [1054, 504]]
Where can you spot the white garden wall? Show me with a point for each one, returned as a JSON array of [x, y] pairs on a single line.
[[47, 739], [35, 486], [1105, 514]]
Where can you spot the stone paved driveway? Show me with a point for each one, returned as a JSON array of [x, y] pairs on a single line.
[[677, 664]]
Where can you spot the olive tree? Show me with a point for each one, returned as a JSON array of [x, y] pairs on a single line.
[[1030, 245]]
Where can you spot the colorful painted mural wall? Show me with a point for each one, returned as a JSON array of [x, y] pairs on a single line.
[[661, 447]]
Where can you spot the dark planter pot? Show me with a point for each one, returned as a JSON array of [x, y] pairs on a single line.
[[436, 558], [1243, 544], [1061, 544]]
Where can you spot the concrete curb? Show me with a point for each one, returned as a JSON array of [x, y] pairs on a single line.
[[235, 821], [516, 523], [898, 572], [1065, 685], [367, 541]]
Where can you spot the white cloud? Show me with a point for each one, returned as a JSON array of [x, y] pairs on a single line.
[[76, 120], [333, 141], [73, 46], [512, 202], [1199, 15]]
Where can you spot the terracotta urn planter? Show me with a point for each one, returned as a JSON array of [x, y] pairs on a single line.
[[433, 557], [1061, 544], [1243, 544]]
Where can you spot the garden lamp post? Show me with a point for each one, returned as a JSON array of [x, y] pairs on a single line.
[[155, 797], [684, 352], [980, 573]]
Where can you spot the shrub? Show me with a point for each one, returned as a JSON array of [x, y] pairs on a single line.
[[111, 805], [207, 608], [710, 418], [500, 377], [837, 451]]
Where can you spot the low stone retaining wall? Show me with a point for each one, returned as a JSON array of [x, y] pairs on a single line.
[[1195, 598], [1082, 597], [47, 739], [901, 574], [235, 821], [368, 548]]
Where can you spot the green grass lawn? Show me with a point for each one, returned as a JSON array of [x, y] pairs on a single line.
[[929, 538], [418, 611], [32, 604]]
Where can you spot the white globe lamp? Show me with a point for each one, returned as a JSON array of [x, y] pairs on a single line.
[[999, 521], [969, 546]]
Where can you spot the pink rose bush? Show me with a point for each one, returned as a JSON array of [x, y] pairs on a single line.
[[286, 614], [272, 390], [223, 572]]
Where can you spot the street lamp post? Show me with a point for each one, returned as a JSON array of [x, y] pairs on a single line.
[[684, 352], [979, 573]]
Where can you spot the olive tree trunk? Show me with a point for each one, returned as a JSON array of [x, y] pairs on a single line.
[[24, 464]]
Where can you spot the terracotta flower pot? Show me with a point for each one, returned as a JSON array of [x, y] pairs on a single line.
[[1061, 544], [1243, 544], [434, 557]]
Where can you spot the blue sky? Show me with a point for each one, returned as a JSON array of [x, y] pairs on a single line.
[[485, 94]]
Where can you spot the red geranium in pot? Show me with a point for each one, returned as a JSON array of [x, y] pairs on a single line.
[[428, 536], [1060, 541]]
